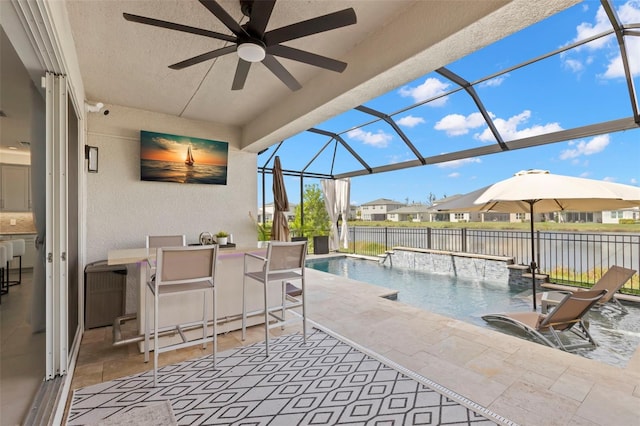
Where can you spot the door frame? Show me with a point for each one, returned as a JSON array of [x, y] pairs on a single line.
[[38, 30]]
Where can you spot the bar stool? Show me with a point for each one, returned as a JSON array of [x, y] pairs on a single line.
[[181, 270], [8, 245], [18, 251], [284, 262], [3, 262]]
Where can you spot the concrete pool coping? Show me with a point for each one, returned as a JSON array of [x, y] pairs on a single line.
[[523, 381]]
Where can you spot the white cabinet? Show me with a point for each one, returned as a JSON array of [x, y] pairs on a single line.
[[15, 188]]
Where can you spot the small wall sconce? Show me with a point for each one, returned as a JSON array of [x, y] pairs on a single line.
[[91, 154]]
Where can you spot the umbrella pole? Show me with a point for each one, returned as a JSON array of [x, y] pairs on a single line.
[[533, 255]]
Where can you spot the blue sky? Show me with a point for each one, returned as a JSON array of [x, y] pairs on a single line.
[[579, 87]]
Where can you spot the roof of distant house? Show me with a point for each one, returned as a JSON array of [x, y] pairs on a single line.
[[383, 201], [414, 208]]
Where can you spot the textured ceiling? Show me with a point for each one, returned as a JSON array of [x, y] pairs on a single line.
[[393, 42], [126, 63]]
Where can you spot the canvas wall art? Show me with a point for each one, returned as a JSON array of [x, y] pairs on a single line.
[[182, 159]]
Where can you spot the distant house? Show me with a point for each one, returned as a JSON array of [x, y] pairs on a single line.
[[378, 209], [474, 216], [451, 216], [353, 212], [565, 216], [614, 216], [270, 209], [412, 213]]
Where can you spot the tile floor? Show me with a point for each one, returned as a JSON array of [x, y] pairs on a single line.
[[526, 382], [22, 361]]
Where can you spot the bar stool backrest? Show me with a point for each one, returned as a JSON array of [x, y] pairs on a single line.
[[285, 256], [181, 265], [18, 247], [155, 241], [8, 245]]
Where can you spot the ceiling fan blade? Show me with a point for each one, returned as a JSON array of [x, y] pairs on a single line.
[[260, 14], [224, 17], [204, 57], [307, 57], [177, 27], [280, 72], [316, 25], [242, 70]]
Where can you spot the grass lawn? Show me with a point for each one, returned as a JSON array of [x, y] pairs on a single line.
[[524, 226]]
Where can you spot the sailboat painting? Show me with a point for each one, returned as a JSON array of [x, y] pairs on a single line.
[[189, 161], [182, 159]]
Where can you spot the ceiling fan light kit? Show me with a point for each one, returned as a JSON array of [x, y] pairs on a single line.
[[253, 43], [251, 51]]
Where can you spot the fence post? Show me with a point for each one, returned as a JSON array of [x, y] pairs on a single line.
[[463, 238], [538, 249], [429, 237], [386, 242], [353, 238]]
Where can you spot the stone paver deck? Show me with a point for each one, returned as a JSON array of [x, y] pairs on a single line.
[[526, 382]]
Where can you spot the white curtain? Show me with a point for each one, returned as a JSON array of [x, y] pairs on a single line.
[[343, 188], [329, 192], [336, 199]]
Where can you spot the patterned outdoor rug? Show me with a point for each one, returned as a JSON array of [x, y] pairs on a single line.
[[327, 381]]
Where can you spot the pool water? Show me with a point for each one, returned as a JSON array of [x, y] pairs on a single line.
[[618, 335]]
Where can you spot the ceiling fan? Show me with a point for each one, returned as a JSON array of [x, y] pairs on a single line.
[[253, 43]]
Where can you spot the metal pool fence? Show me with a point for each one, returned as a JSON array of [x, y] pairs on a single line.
[[571, 257]]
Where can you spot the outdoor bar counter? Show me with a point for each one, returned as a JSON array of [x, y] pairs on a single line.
[[188, 307]]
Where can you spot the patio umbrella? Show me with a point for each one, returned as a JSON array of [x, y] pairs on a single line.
[[538, 191], [280, 228]]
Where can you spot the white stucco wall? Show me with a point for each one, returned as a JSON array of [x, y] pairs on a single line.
[[122, 209]]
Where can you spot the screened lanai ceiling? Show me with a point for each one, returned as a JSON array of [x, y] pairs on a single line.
[[511, 95]]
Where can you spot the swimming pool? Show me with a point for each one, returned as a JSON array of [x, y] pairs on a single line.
[[467, 300]]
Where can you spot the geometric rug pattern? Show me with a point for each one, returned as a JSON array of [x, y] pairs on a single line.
[[325, 381]]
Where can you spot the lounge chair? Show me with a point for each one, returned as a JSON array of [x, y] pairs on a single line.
[[612, 281], [567, 316]]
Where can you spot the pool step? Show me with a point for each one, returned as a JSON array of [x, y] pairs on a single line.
[[386, 255]]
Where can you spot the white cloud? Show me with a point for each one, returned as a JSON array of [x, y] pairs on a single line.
[[633, 181], [585, 174], [594, 146], [379, 139], [456, 124], [454, 164], [453, 175], [609, 179], [495, 82], [508, 129], [574, 65], [431, 88], [586, 30], [615, 68], [628, 12], [410, 121], [399, 158]]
